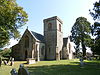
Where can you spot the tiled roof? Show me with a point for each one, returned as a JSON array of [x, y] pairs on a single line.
[[38, 36]]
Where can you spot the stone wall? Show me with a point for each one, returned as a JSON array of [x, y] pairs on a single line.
[[67, 49], [28, 47], [53, 38]]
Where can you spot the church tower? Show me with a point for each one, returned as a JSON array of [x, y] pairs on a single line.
[[53, 35]]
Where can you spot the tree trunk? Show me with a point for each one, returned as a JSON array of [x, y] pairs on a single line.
[[83, 48], [84, 52]]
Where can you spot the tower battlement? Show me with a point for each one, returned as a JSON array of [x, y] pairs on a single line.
[[53, 18]]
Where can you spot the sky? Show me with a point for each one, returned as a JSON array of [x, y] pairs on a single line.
[[67, 10]]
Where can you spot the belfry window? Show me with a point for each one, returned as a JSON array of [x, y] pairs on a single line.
[[50, 26], [26, 42], [60, 27]]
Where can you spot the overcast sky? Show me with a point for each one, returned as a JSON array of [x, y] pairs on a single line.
[[66, 10]]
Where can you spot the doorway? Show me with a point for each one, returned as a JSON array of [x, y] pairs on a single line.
[[25, 54]]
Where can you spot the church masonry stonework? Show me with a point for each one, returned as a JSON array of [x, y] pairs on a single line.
[[51, 46], [53, 38], [29, 46]]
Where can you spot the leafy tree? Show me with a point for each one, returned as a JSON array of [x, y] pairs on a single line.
[[6, 52], [96, 26], [96, 11], [80, 33], [12, 17]]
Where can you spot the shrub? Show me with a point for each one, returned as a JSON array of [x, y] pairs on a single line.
[[5, 53]]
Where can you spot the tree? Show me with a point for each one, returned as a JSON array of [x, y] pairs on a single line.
[[96, 27], [81, 33], [96, 11], [12, 17]]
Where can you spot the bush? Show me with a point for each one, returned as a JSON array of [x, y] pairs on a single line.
[[5, 53]]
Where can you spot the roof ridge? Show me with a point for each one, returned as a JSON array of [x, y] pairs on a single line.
[[38, 36], [37, 33]]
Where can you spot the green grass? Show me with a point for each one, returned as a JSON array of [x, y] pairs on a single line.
[[5, 69], [62, 67]]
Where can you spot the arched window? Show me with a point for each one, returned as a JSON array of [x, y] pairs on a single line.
[[60, 27], [26, 42], [49, 50], [69, 48], [50, 26], [42, 50], [25, 54]]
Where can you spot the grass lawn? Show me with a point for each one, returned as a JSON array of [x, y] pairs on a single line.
[[62, 67], [5, 69]]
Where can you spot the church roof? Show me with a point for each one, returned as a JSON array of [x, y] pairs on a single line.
[[38, 36]]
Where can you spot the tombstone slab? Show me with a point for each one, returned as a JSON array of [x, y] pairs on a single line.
[[30, 61]]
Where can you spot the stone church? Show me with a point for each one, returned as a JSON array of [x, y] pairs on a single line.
[[50, 46]]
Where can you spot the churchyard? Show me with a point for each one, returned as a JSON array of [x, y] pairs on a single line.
[[62, 67]]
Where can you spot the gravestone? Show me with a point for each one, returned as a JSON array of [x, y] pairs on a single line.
[[0, 61], [13, 72], [12, 62], [81, 62], [9, 60], [22, 70], [5, 62]]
